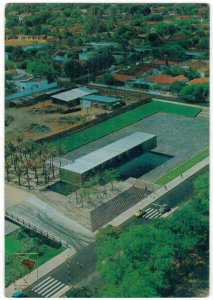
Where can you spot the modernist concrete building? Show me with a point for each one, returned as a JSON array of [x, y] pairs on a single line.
[[78, 171]]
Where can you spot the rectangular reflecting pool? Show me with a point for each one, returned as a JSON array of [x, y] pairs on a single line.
[[140, 165], [62, 188]]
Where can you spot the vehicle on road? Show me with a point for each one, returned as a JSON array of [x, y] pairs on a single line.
[[164, 208], [140, 213], [19, 294]]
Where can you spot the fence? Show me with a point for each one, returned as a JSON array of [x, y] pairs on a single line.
[[44, 233]]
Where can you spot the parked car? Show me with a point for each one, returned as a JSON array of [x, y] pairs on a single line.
[[165, 208], [19, 294]]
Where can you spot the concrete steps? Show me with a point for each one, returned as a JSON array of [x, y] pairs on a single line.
[[114, 207]]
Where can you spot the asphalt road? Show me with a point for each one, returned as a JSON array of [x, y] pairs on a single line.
[[79, 266]]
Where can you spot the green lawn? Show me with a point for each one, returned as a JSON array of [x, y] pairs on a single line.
[[92, 133], [12, 246], [182, 168], [20, 242]]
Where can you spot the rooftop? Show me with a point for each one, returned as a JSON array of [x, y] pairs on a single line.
[[74, 94], [122, 77], [99, 98], [199, 80], [166, 79], [102, 155]]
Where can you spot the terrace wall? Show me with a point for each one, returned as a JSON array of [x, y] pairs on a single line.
[[91, 123]]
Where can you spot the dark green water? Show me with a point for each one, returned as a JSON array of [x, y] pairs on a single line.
[[62, 188], [140, 165]]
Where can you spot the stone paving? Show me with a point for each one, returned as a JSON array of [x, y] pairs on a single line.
[[179, 136]]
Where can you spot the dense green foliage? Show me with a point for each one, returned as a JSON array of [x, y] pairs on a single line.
[[195, 92], [87, 135], [149, 260]]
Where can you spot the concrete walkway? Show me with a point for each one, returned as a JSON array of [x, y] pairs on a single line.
[[158, 193], [42, 271]]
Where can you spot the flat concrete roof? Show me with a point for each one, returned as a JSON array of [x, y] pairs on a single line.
[[103, 99], [102, 155], [73, 94]]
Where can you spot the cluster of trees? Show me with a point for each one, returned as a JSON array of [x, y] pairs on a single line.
[[195, 92], [149, 260], [90, 187], [25, 158]]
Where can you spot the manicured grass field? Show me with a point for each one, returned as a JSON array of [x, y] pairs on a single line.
[[92, 133], [21, 242], [182, 168]]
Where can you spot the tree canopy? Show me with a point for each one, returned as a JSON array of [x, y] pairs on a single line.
[[148, 260]]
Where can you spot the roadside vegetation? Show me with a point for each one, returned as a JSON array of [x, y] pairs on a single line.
[[25, 241], [182, 168], [95, 132], [153, 259]]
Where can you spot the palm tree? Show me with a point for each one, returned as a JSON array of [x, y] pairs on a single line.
[[19, 171], [52, 152], [35, 165], [7, 167], [27, 164], [61, 150]]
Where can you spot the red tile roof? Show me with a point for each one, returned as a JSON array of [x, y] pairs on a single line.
[[25, 15], [163, 62], [122, 77], [198, 64], [166, 79], [151, 22], [199, 80], [183, 17]]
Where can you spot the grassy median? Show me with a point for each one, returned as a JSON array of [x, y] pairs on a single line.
[[182, 168]]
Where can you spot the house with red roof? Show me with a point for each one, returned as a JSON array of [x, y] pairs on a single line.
[[164, 81], [198, 80]]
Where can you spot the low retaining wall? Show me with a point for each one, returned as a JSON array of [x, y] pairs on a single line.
[[92, 122]]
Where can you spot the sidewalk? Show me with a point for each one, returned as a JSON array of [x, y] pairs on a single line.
[[42, 271], [157, 194]]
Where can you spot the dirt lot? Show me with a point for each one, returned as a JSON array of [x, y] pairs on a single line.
[[16, 42], [37, 121]]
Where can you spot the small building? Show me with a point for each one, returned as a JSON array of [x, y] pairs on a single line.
[[201, 67], [163, 81], [88, 165], [72, 97], [105, 102], [25, 82], [22, 16], [125, 80], [85, 54], [199, 80]]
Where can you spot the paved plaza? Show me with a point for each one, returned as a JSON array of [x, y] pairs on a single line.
[[179, 136]]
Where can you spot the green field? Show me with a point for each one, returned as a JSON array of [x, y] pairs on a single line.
[[20, 242], [182, 168], [97, 131]]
